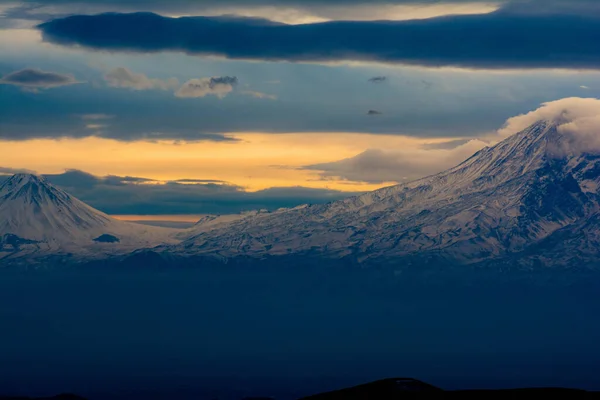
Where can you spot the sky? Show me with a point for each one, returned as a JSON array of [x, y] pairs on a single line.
[[189, 107]]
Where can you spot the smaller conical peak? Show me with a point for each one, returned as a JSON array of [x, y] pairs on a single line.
[[24, 178], [19, 180], [31, 188]]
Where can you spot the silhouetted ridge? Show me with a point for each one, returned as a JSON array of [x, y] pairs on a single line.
[[403, 388]]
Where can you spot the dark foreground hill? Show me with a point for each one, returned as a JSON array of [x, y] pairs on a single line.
[[402, 388], [59, 397], [406, 388]]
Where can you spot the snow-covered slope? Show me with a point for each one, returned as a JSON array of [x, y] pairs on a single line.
[[501, 200], [37, 218], [533, 195]]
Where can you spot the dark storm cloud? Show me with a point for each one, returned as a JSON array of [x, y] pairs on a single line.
[[547, 7], [499, 40], [132, 195], [199, 4], [532, 6], [374, 112], [106, 113], [129, 130], [83, 180], [31, 78]]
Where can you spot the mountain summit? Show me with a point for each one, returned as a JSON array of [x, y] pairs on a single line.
[[501, 201], [32, 208], [532, 198], [37, 218]]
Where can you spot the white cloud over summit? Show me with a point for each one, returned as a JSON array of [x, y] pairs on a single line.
[[574, 114], [578, 118]]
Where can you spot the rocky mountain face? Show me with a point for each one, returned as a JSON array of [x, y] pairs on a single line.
[[503, 200], [531, 199]]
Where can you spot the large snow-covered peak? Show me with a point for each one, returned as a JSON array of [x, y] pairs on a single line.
[[516, 156], [500, 200]]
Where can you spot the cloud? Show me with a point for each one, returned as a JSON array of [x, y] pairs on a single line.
[[259, 95], [121, 77], [95, 117], [552, 7], [573, 114], [578, 119], [95, 126], [378, 79], [216, 86], [448, 145], [426, 84], [96, 122], [219, 86], [35, 79], [379, 166], [374, 112], [12, 171], [584, 87], [285, 11], [151, 4], [198, 181], [504, 39], [144, 196]]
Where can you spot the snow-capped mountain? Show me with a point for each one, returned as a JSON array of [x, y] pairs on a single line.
[[37, 218], [532, 197], [503, 200]]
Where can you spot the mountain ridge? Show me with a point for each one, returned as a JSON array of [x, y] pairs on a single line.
[[498, 201], [511, 203]]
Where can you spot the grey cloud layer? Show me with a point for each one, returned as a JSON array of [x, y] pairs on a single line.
[[129, 195], [499, 40], [12, 171], [535, 6], [124, 78], [219, 86], [31, 78], [196, 4], [216, 86], [378, 166], [26, 13]]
